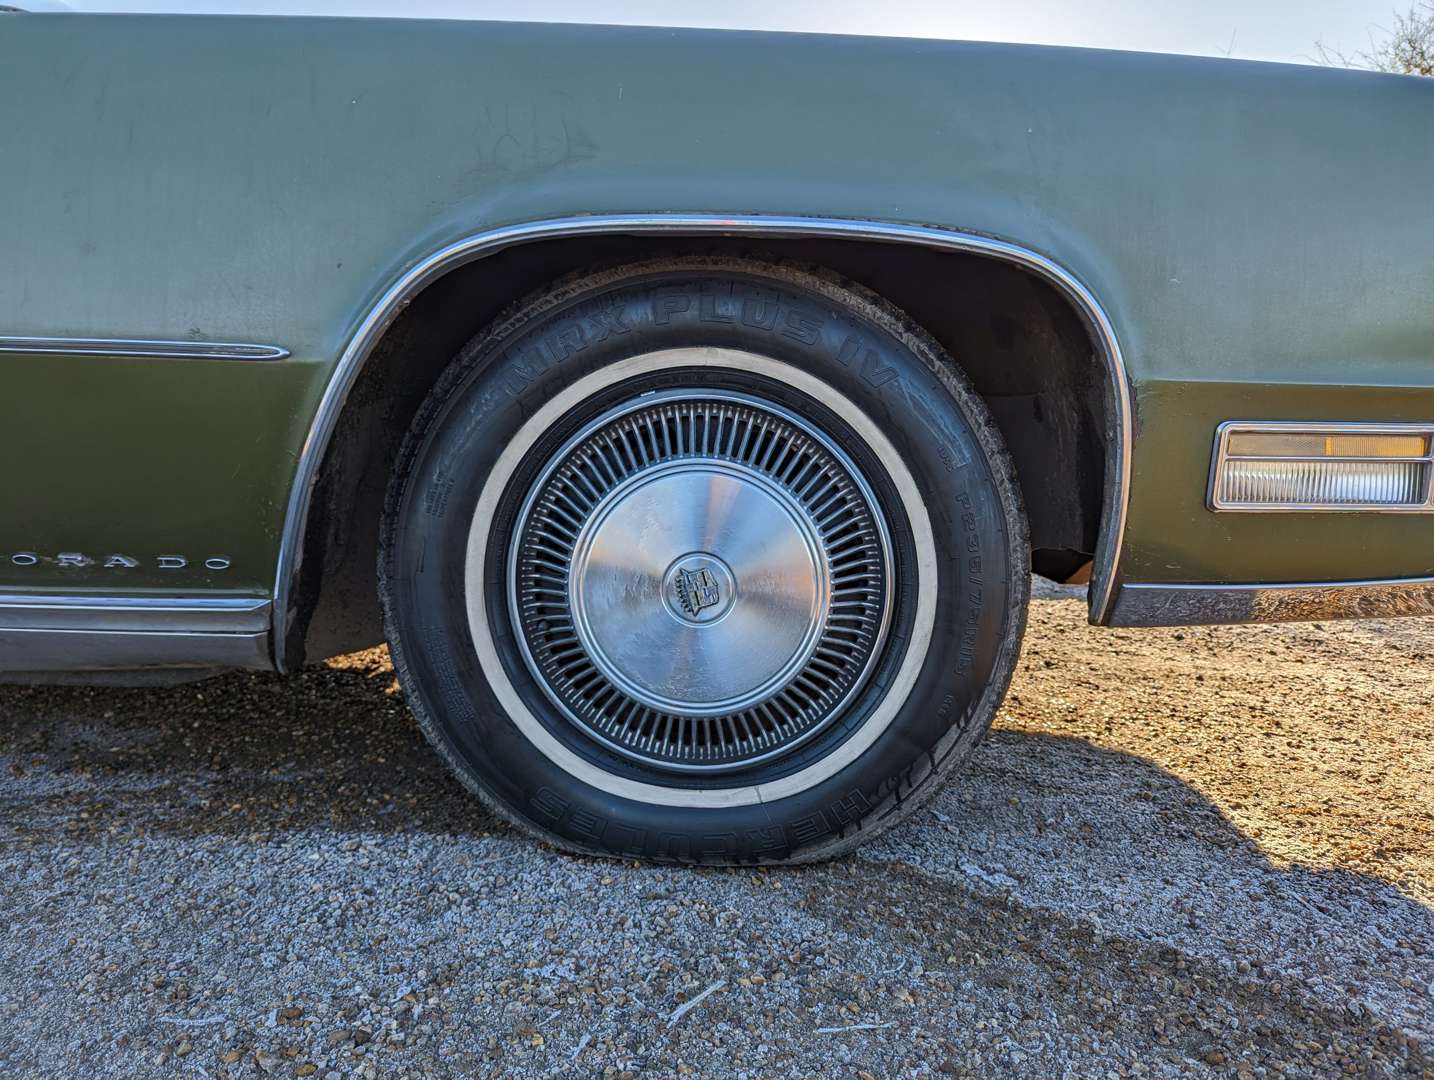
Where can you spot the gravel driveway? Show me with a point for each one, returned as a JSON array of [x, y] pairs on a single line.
[[1185, 852]]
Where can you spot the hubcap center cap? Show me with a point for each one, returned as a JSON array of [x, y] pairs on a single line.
[[699, 589], [678, 627]]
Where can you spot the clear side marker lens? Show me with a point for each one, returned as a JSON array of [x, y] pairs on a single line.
[[1283, 466]]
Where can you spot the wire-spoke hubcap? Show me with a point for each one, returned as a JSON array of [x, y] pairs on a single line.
[[700, 578]]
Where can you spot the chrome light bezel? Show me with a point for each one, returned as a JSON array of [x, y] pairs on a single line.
[[1229, 428]]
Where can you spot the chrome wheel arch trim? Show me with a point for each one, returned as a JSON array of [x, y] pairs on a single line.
[[424, 272], [923, 624]]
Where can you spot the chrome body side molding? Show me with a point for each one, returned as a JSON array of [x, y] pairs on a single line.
[[1205, 605], [124, 347], [1120, 402], [46, 633], [40, 652]]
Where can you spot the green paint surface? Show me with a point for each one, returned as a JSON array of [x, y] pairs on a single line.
[[1262, 237]]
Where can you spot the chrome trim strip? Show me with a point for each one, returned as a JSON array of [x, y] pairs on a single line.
[[37, 651], [42, 633], [1321, 427], [125, 347], [1146, 604], [386, 309], [138, 614]]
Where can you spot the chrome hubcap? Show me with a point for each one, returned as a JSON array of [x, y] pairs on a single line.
[[700, 580], [679, 628]]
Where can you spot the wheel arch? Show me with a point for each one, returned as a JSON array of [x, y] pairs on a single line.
[[304, 550]]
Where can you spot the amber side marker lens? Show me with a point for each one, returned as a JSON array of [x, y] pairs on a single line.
[[1322, 466]]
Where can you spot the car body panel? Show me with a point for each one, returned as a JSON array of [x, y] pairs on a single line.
[[1171, 534], [1257, 234]]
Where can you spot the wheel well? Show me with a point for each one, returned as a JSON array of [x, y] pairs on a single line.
[[1020, 341]]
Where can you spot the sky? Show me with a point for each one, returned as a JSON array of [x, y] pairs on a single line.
[[1282, 30]]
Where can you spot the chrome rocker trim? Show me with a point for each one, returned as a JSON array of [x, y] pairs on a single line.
[[151, 350], [40, 633], [1207, 605], [489, 241]]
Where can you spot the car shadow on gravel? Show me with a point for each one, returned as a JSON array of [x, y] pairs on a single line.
[[1114, 844], [332, 748], [1053, 818]]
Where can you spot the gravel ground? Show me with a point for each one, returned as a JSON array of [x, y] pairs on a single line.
[[1181, 853]]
